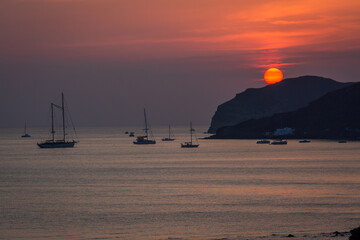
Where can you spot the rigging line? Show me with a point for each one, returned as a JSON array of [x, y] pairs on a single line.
[[47, 121], [150, 131], [196, 139], [56, 99], [72, 123]]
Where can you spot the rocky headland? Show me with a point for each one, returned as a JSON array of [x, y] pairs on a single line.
[[287, 95], [336, 115]]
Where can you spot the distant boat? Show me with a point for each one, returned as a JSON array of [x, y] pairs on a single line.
[[264, 141], [131, 134], [190, 144], [126, 132], [145, 139], [279, 142], [168, 139], [57, 143], [342, 141], [304, 141], [25, 134]]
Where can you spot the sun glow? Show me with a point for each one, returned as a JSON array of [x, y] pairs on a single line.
[[273, 75]]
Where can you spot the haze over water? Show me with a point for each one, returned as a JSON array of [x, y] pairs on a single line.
[[108, 188]]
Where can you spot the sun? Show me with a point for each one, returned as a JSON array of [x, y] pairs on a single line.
[[273, 75]]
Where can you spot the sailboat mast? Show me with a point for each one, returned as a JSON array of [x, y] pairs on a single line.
[[169, 131], [63, 114], [25, 128], [191, 132], [146, 127], [52, 122]]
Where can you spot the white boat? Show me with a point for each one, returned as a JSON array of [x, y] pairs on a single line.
[[168, 139], [279, 142], [57, 143], [190, 144], [263, 141], [145, 139], [304, 141]]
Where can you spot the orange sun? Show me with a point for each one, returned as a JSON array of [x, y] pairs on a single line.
[[273, 75]]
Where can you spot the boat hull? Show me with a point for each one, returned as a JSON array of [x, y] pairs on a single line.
[[279, 143], [25, 136], [189, 146], [167, 139], [57, 144], [145, 142]]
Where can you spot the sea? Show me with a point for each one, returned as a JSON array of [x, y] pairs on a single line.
[[106, 187]]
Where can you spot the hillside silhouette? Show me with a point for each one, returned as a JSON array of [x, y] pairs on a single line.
[[336, 115], [287, 95]]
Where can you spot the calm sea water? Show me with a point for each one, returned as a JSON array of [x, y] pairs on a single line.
[[108, 188]]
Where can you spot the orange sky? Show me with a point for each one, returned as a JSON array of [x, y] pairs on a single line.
[[168, 29], [231, 39]]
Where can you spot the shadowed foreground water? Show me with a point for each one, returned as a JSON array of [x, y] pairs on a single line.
[[108, 188]]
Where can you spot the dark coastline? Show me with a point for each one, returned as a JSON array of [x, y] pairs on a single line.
[[285, 96], [333, 116]]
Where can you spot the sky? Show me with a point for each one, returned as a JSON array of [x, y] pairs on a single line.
[[180, 59]]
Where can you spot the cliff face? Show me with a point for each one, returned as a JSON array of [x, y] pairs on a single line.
[[335, 115], [288, 95]]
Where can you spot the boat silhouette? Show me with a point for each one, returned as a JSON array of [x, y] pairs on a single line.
[[58, 143], [26, 135], [168, 139], [190, 144], [145, 138]]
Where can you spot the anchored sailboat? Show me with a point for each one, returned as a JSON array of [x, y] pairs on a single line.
[[190, 144], [57, 143], [169, 137], [25, 134], [145, 139]]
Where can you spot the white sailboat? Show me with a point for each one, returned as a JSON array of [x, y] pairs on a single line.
[[190, 144]]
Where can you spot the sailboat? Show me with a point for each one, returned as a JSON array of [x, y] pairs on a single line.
[[57, 143], [145, 139], [168, 139], [25, 134], [190, 144]]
